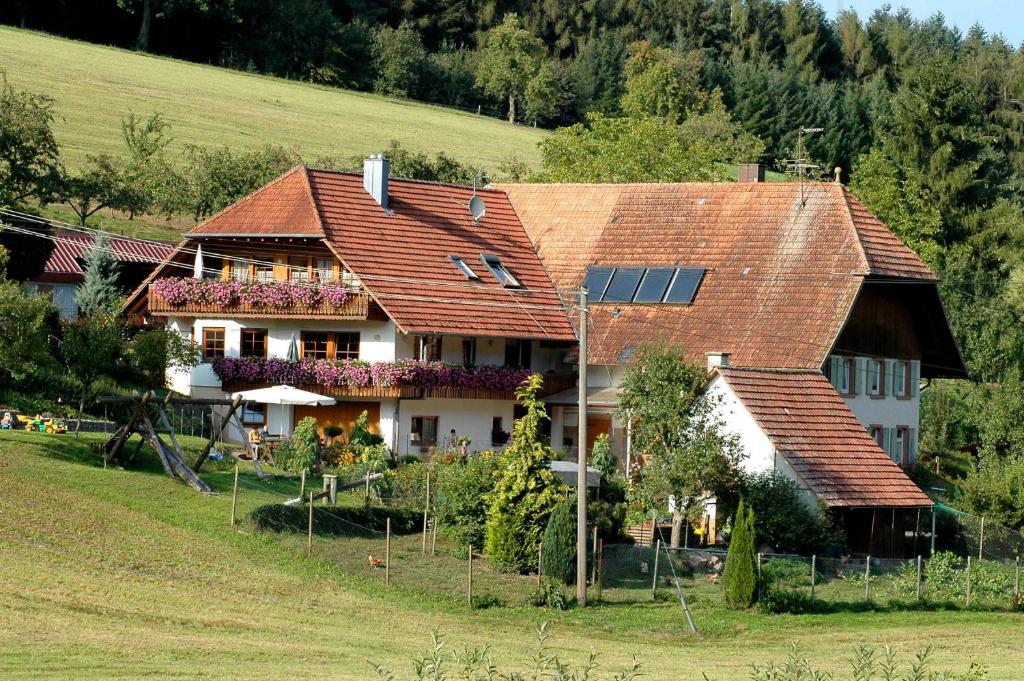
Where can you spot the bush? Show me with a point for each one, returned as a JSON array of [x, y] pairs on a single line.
[[337, 521], [461, 499], [303, 450], [406, 485], [558, 561], [740, 573], [601, 456], [549, 595], [783, 519]]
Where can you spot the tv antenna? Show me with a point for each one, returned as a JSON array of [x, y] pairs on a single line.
[[800, 162]]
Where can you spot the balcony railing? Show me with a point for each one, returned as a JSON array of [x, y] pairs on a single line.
[[355, 307]]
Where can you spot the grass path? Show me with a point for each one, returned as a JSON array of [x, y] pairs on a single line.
[[121, 574], [95, 86]]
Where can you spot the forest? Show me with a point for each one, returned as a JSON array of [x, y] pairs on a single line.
[[925, 123]]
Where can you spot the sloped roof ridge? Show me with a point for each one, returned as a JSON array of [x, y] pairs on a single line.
[[848, 218], [267, 186], [768, 370], [396, 178]]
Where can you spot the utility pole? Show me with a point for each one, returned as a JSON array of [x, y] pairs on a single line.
[[581, 461]]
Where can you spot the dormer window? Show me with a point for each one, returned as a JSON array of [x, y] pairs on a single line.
[[500, 272], [466, 270]]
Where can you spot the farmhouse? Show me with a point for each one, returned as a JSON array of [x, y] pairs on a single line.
[[391, 278], [424, 304], [817, 323]]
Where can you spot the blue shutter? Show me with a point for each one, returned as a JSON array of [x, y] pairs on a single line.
[[912, 434], [860, 376], [915, 378], [888, 436], [889, 368], [835, 366]]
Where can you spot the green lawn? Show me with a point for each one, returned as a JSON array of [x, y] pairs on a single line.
[[109, 573], [95, 86]]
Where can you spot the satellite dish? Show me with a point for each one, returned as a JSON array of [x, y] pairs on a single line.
[[477, 208]]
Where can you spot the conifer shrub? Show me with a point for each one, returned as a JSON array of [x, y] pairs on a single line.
[[558, 560], [740, 574]]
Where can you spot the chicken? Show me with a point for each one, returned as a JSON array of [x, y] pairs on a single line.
[[375, 562]]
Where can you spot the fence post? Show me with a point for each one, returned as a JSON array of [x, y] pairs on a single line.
[[654, 582], [387, 552], [593, 551], [867, 578], [309, 528], [469, 593], [433, 537], [981, 538], [933, 532], [600, 565], [968, 581], [919, 578], [814, 570], [540, 561], [426, 510], [234, 497], [1016, 580], [759, 579]]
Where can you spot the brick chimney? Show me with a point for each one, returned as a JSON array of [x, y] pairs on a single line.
[[375, 178], [751, 172]]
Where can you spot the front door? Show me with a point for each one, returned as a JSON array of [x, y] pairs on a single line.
[[597, 424], [342, 414]]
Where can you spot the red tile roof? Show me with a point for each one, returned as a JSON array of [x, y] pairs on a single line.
[[282, 207], [402, 254], [821, 439], [72, 248], [781, 277]]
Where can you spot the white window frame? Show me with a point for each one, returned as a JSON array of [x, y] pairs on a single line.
[[876, 377], [844, 382], [901, 445], [901, 379]]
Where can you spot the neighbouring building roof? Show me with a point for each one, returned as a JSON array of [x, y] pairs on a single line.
[[403, 254], [66, 260], [781, 277], [821, 439]]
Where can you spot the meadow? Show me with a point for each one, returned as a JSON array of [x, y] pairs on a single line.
[[111, 573], [94, 86]]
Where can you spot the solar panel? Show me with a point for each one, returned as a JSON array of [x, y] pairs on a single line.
[[596, 281], [652, 288], [684, 286], [623, 285]]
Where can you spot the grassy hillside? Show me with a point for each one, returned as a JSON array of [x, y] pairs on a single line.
[[94, 86], [122, 574]]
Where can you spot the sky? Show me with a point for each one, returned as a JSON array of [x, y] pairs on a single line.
[[996, 16]]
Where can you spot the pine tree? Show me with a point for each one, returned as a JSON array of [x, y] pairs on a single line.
[[99, 292], [740, 573], [558, 561]]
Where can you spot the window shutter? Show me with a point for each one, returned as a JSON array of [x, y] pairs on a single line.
[[860, 376], [889, 367], [915, 378], [888, 435], [836, 364], [912, 436]]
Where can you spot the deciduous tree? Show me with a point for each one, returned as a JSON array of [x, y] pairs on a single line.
[[511, 58]]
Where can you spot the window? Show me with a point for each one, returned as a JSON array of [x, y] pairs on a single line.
[[254, 343], [213, 342], [878, 435], [844, 376], [424, 431], [428, 348], [901, 379], [44, 291], [324, 269], [901, 446], [254, 414], [263, 270], [298, 269], [518, 353], [239, 270], [500, 272], [468, 352], [498, 435], [463, 267], [316, 344], [876, 378], [346, 345], [350, 280]]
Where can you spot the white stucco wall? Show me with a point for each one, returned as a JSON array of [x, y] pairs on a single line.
[[761, 456], [468, 417]]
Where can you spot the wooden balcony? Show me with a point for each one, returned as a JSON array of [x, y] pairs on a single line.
[[335, 390], [356, 307]]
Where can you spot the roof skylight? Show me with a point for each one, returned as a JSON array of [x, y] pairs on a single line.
[[464, 268], [500, 272], [643, 285]]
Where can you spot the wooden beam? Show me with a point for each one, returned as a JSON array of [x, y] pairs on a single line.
[[214, 434], [114, 444]]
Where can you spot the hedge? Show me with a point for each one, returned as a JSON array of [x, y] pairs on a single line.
[[344, 521]]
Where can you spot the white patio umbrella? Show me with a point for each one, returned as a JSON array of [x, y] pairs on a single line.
[[284, 395], [197, 268]]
